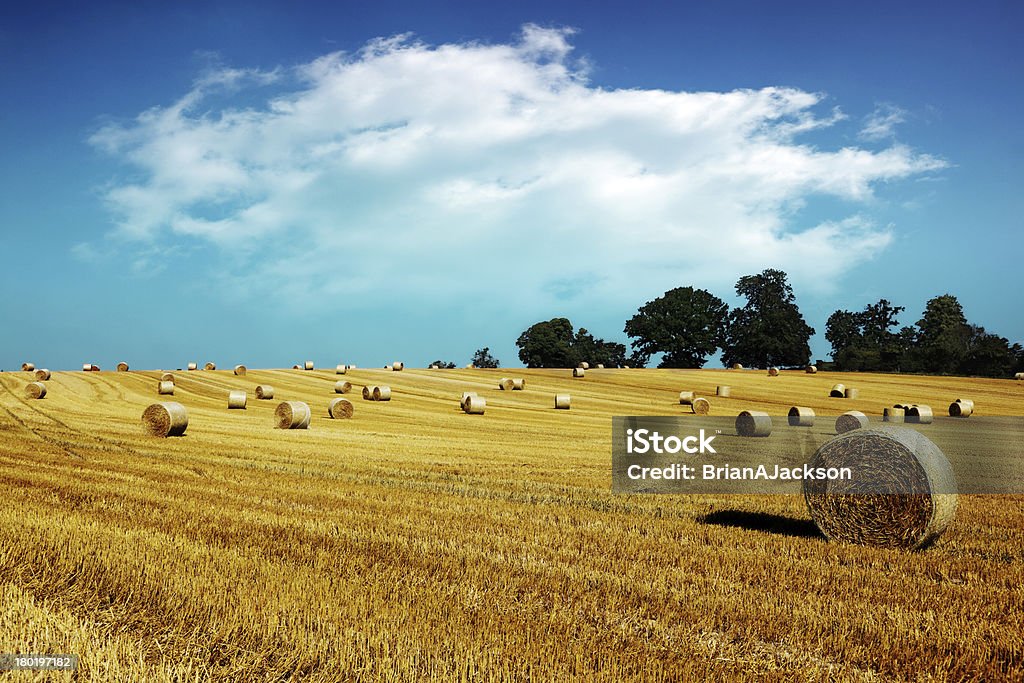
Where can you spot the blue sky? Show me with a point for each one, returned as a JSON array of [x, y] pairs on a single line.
[[266, 183]]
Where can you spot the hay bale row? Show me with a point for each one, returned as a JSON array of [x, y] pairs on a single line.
[[342, 387], [562, 401], [773, 371], [800, 416], [340, 408], [686, 398], [292, 415], [122, 367], [376, 393], [42, 374], [850, 421], [165, 388], [35, 390], [753, 423], [579, 372], [723, 391], [165, 419], [962, 407], [28, 367], [240, 370], [701, 406], [903, 494], [474, 405], [264, 392], [237, 400]]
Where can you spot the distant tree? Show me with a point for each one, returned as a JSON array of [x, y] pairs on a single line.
[[483, 359], [444, 365], [768, 329], [989, 355], [685, 324], [553, 344], [943, 336], [865, 340]]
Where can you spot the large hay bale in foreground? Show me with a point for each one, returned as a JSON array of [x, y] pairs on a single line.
[[837, 391], [166, 377], [292, 415], [474, 405], [800, 416], [562, 401], [773, 372], [122, 367], [811, 369], [851, 420], [686, 398], [753, 423], [518, 384], [962, 407], [165, 388], [382, 393], [240, 370], [701, 406], [342, 387], [902, 495], [505, 384], [579, 372], [237, 400], [42, 374], [340, 408], [165, 419], [35, 390], [723, 391], [308, 365], [920, 415], [851, 392], [264, 392], [894, 414], [28, 367]]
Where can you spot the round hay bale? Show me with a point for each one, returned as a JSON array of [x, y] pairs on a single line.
[[192, 366], [86, 367], [837, 391], [42, 374], [470, 366], [921, 415], [165, 388], [505, 384], [903, 494], [962, 407], [465, 397], [165, 419], [701, 406], [35, 390], [94, 368], [264, 392], [340, 408], [773, 372], [342, 387], [894, 414], [851, 392], [340, 370], [387, 367], [166, 377], [600, 366], [296, 367], [737, 366], [584, 365], [28, 367], [240, 370], [309, 365], [686, 398], [210, 366], [397, 366], [382, 393], [811, 369], [1019, 375], [753, 423], [903, 406], [562, 401], [851, 420], [292, 415], [518, 384], [474, 405], [236, 400], [368, 393], [800, 416], [122, 367], [723, 391], [579, 372], [351, 367]]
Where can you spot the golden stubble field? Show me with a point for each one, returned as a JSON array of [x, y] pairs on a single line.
[[415, 542]]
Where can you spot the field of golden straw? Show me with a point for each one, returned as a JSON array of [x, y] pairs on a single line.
[[417, 542]]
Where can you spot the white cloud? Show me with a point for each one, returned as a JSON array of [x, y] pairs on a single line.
[[415, 173], [881, 123]]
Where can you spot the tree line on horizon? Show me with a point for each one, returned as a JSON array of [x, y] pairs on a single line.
[[688, 325]]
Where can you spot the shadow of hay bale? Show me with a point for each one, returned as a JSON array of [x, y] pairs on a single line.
[[760, 521]]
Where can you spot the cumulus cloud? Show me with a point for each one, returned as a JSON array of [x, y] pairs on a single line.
[[881, 123], [412, 172]]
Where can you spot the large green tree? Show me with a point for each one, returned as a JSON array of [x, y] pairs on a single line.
[[768, 329], [865, 340], [989, 355], [554, 344], [483, 359], [943, 335], [685, 324]]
